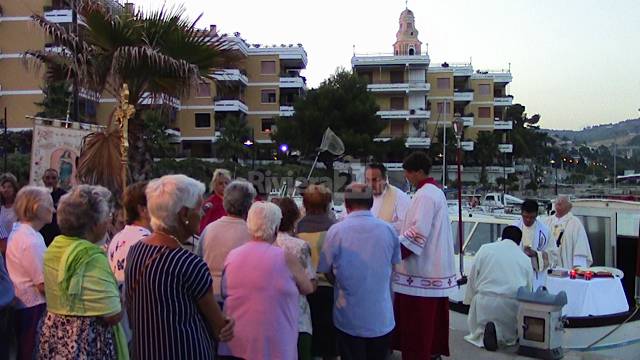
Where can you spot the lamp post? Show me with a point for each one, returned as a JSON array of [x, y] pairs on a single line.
[[5, 141], [555, 168], [251, 143], [458, 128]]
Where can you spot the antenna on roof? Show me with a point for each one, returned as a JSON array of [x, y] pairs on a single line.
[[406, 4], [354, 49]]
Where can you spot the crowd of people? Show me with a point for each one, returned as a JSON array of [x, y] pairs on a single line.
[[174, 274]]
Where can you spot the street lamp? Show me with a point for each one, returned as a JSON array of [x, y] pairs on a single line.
[[251, 143], [458, 128], [553, 165]]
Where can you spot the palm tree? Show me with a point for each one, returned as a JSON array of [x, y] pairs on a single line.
[[157, 54], [234, 133], [486, 149]]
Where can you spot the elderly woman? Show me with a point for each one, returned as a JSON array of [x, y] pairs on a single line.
[[261, 286], [170, 303], [8, 191], [312, 228], [25, 263], [83, 302], [228, 232], [213, 207], [301, 250]]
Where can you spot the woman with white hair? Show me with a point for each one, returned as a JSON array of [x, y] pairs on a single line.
[[25, 263], [261, 285], [228, 232], [170, 303], [213, 207], [83, 301]]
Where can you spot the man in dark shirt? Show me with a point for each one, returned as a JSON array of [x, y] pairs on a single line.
[[50, 180]]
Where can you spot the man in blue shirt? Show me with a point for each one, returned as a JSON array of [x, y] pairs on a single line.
[[358, 257]]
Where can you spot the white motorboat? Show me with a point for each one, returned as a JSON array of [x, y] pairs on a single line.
[[613, 228]]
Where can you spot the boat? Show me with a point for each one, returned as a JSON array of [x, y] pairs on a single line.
[[613, 228]]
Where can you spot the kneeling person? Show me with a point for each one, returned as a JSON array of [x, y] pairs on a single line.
[[358, 255], [499, 269]]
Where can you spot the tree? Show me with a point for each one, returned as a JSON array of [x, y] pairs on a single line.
[[157, 54], [234, 133], [155, 135], [342, 103], [57, 100], [485, 151]]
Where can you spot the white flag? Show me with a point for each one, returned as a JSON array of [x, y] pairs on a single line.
[[332, 143]]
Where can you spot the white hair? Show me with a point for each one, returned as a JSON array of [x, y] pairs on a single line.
[[238, 197], [216, 174], [28, 199], [167, 195], [263, 220], [83, 207]]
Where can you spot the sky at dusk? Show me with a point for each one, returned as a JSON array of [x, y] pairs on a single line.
[[576, 62]]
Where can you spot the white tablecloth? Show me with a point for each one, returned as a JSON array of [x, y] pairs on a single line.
[[599, 296]]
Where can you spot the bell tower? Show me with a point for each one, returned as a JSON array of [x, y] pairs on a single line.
[[407, 42]]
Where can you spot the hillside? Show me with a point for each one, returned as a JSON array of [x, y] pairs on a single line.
[[624, 133]]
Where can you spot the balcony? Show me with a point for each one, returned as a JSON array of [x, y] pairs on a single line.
[[467, 120], [505, 148], [390, 59], [292, 82], [502, 125], [467, 145], [404, 114], [418, 143], [286, 110], [231, 75], [503, 101], [229, 105], [400, 87], [463, 95], [58, 16]]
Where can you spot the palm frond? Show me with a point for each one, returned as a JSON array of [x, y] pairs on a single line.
[[99, 162]]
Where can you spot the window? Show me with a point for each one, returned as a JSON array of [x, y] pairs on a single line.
[[397, 77], [411, 50], [442, 109], [444, 83], [397, 128], [397, 103], [484, 89], [203, 120], [268, 96], [467, 227], [484, 112], [484, 233], [268, 125], [268, 67], [204, 90]]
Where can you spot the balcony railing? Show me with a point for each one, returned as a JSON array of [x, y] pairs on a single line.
[[58, 16], [505, 148], [404, 114], [463, 95], [286, 110], [421, 86], [230, 105], [467, 120], [418, 142], [231, 75], [467, 145], [292, 82], [502, 125], [503, 101]]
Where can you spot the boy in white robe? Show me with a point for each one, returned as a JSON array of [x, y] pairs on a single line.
[[499, 269], [569, 235], [390, 204], [537, 242]]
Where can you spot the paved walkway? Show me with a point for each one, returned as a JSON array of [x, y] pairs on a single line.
[[462, 350]]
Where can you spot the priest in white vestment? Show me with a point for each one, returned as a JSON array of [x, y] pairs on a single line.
[[426, 276], [569, 235], [498, 270], [536, 242], [390, 204]]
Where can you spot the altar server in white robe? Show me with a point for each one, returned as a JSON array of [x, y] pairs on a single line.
[[536, 242], [499, 269], [569, 235], [426, 276], [390, 203]]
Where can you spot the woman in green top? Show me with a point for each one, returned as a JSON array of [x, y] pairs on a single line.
[[83, 301]]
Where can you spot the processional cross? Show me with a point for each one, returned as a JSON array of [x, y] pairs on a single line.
[[124, 111]]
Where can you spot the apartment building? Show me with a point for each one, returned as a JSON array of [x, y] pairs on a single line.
[[264, 84], [418, 99]]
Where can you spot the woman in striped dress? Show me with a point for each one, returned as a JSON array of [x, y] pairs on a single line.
[[172, 311]]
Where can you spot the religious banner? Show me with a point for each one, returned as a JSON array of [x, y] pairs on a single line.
[[57, 146]]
